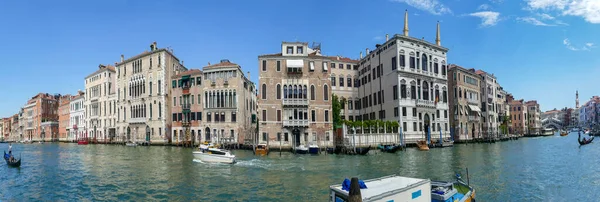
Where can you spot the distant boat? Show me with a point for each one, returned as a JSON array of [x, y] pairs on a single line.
[[313, 149], [82, 141], [548, 132], [564, 133], [422, 144], [584, 141], [301, 149], [261, 150], [131, 144], [363, 150], [392, 148]]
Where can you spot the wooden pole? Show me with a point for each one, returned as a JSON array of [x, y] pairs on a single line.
[[354, 193]]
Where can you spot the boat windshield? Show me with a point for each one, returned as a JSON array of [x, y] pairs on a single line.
[[217, 152], [261, 146]]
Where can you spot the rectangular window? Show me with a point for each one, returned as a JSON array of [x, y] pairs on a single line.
[[396, 112], [300, 50], [402, 61], [333, 81], [233, 117], [264, 65], [313, 116], [174, 101], [349, 84], [326, 116], [264, 136], [290, 50], [193, 116], [332, 65], [278, 115], [180, 117], [404, 111], [278, 65], [414, 112], [278, 136], [395, 92], [404, 126], [208, 117], [435, 68], [414, 126], [264, 115], [192, 100], [341, 66], [394, 63], [174, 116], [412, 62], [174, 83], [341, 81], [199, 115]]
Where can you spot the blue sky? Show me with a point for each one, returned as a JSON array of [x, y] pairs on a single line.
[[538, 49]]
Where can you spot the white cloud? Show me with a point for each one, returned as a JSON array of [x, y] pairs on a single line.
[[587, 9], [484, 7], [533, 21], [588, 46], [431, 6], [488, 18], [545, 16], [497, 1], [378, 38]]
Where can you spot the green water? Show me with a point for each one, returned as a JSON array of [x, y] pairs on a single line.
[[529, 169]]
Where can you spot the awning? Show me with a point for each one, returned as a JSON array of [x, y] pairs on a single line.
[[474, 108], [294, 63]]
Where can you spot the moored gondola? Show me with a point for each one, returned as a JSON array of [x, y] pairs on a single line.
[[584, 141]]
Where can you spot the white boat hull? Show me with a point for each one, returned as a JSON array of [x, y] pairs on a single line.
[[212, 158]]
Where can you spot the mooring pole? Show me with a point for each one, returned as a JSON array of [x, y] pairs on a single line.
[[354, 193]]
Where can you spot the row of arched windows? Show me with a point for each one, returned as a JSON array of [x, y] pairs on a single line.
[[295, 92], [220, 99]]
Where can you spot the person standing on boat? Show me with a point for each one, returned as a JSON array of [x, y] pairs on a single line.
[[10, 148]]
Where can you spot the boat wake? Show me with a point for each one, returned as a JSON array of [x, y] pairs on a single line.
[[269, 165]]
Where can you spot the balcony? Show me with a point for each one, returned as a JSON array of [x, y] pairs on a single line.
[[294, 71], [185, 107], [295, 102], [472, 101], [185, 89], [295, 123], [136, 120], [425, 103], [226, 82], [473, 118]]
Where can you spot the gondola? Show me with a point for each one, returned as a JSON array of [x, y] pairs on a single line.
[[584, 142], [11, 164], [363, 151], [389, 148]]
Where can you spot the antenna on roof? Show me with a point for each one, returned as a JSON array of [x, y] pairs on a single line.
[[316, 46]]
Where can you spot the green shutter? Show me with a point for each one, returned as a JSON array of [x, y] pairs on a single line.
[[174, 84]]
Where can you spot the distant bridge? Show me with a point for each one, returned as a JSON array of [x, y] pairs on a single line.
[[552, 123]]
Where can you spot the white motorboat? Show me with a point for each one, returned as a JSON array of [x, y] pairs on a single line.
[[131, 144], [214, 155], [301, 149]]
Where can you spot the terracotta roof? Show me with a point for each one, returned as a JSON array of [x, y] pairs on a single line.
[[343, 59], [102, 68], [480, 72], [222, 64], [189, 72]]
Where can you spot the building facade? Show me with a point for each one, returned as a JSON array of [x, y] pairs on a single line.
[[77, 118], [414, 70], [64, 115], [294, 104], [16, 129], [143, 89], [518, 113], [344, 80], [489, 105], [213, 105], [41, 117], [534, 123], [464, 102], [100, 104]]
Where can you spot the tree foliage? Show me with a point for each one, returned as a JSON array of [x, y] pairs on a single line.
[[337, 109]]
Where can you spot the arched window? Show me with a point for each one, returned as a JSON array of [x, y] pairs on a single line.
[[325, 92], [304, 92], [159, 110], [341, 81], [459, 92], [424, 62], [150, 110], [295, 91], [278, 91], [312, 92], [264, 91], [425, 91], [285, 91]]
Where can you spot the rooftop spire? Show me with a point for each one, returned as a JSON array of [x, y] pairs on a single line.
[[437, 35], [406, 22]]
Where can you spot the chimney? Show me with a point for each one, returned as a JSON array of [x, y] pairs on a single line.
[[361, 55], [155, 46], [182, 63], [122, 58], [387, 37], [338, 57], [208, 63], [367, 52]]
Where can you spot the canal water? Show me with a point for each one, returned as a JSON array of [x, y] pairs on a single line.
[[530, 169]]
